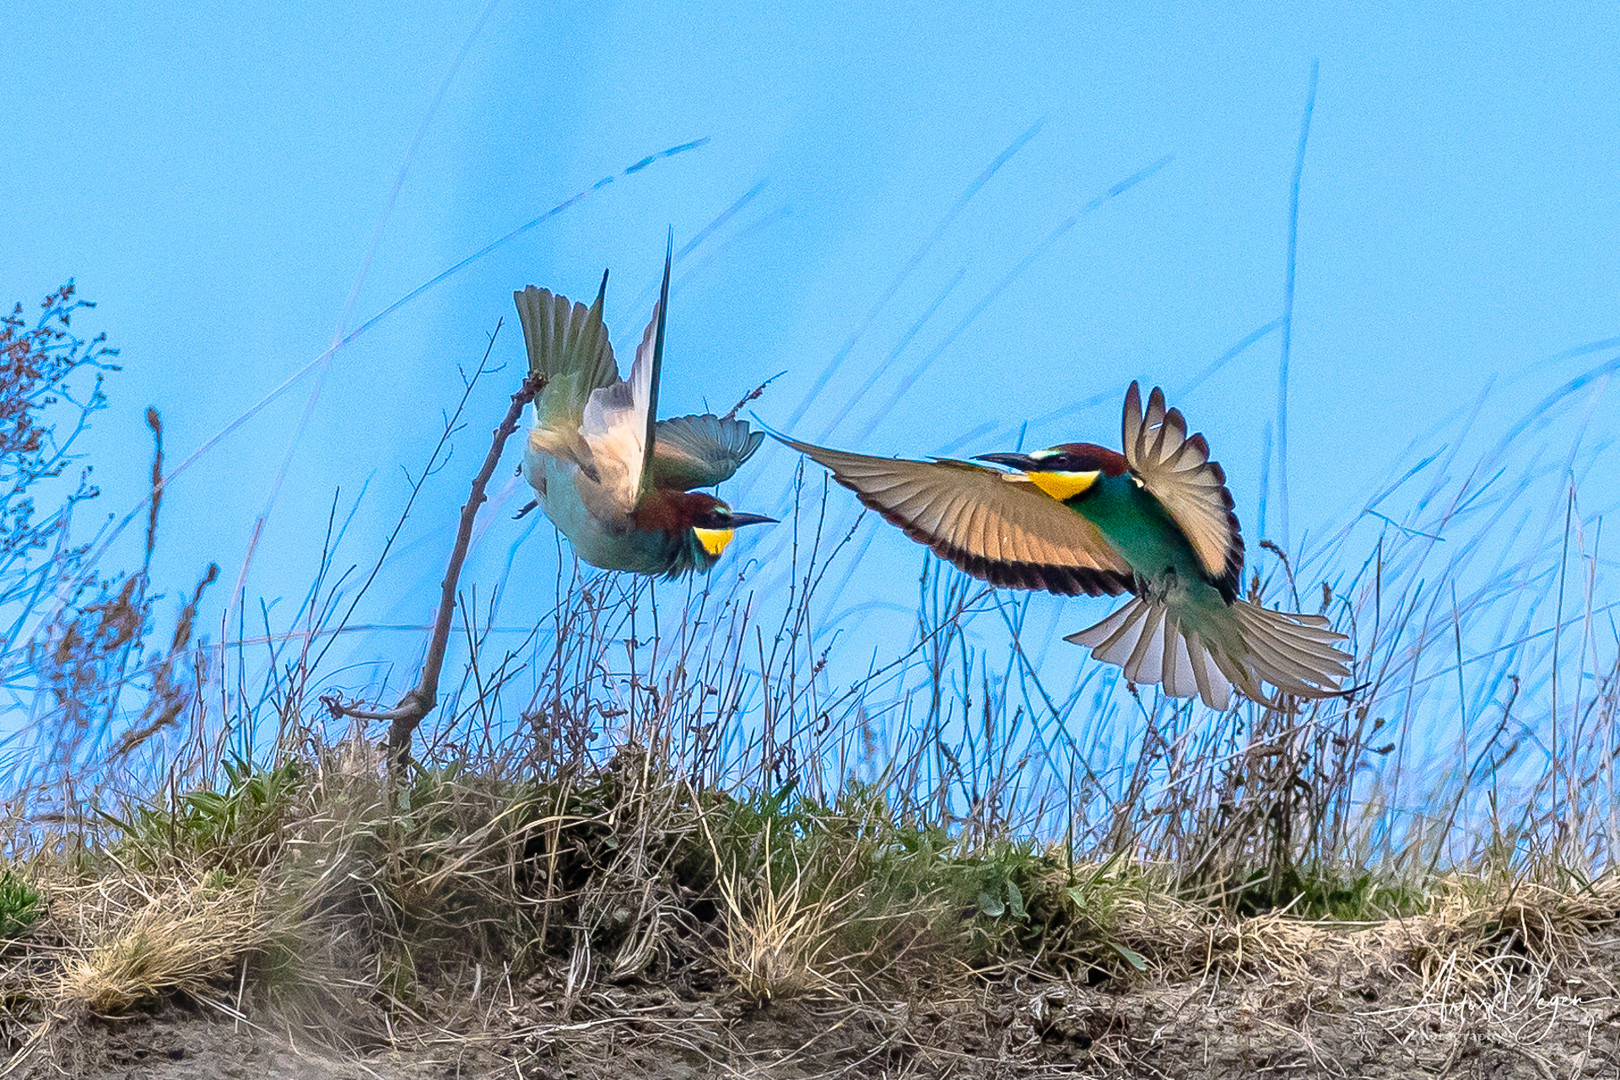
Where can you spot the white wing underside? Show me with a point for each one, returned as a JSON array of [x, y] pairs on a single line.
[[614, 427]]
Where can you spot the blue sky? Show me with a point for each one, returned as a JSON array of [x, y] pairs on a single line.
[[213, 178]]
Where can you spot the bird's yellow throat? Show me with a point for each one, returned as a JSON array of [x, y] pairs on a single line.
[[714, 541], [1063, 486]]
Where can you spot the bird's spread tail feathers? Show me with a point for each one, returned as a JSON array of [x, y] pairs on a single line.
[[1298, 654], [568, 346], [565, 338]]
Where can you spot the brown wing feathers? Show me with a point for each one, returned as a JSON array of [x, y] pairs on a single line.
[[997, 527], [994, 563]]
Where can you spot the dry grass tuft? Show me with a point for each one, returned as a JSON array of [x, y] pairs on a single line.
[[189, 938], [1482, 934], [776, 938]]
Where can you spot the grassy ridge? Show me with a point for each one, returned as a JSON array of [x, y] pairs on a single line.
[[674, 785]]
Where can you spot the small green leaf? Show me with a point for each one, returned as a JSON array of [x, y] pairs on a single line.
[[208, 803], [1015, 900], [991, 905], [20, 905], [1132, 957]]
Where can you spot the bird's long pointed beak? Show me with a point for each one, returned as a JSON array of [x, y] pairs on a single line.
[[739, 520], [1021, 462]]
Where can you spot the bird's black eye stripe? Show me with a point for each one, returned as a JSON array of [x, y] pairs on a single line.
[[718, 518], [1055, 460]]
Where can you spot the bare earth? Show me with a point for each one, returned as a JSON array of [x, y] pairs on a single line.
[[1357, 1022]]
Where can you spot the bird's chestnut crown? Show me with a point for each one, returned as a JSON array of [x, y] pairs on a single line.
[[1079, 458]]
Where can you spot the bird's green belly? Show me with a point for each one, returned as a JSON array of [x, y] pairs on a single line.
[[1138, 527]]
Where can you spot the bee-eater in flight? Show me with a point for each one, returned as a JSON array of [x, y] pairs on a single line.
[[615, 479], [1155, 521]]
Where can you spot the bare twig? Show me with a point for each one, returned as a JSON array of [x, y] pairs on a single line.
[[404, 718], [752, 395]]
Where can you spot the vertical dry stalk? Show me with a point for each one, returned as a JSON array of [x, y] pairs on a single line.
[[404, 718]]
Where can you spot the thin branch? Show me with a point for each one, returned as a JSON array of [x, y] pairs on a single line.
[[404, 718]]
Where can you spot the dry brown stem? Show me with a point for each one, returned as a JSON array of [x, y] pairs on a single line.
[[405, 717]]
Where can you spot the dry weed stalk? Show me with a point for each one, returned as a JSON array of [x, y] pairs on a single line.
[[405, 717]]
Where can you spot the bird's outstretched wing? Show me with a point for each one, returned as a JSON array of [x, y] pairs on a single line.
[[619, 421], [1175, 468], [700, 451], [997, 526]]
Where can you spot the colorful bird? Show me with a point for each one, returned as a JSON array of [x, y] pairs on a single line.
[[612, 477], [1155, 521]]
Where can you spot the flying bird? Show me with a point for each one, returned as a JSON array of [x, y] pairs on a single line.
[[616, 480], [1155, 521]]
